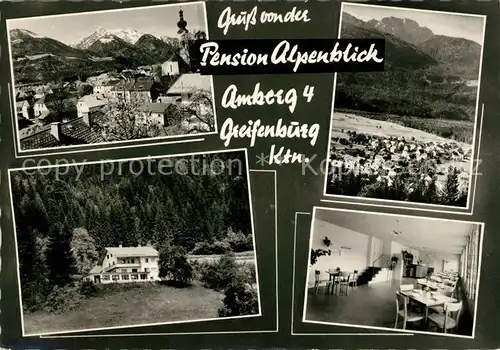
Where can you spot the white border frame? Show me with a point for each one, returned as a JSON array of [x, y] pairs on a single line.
[[475, 142], [95, 146], [293, 295], [134, 159], [311, 235], [196, 333]]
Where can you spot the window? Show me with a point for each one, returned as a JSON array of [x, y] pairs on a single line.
[[144, 276], [107, 256], [146, 269], [134, 277], [105, 277], [469, 267], [116, 277], [146, 259], [134, 270], [125, 277]]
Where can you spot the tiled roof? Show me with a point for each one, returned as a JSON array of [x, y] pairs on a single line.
[[92, 101], [74, 132], [172, 58], [142, 85], [189, 82], [132, 251], [123, 85], [155, 107]]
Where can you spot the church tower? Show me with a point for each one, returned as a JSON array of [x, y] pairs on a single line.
[[183, 39]]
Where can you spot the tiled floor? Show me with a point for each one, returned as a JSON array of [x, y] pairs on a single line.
[[367, 305]]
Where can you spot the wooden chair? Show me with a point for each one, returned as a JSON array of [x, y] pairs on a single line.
[[318, 282], [411, 306], [403, 311], [344, 281], [353, 280], [448, 291], [447, 320]]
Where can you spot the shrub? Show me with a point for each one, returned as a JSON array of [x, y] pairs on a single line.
[[218, 275], [249, 272], [173, 264], [202, 248], [239, 242], [240, 298], [88, 289], [65, 298], [220, 247]]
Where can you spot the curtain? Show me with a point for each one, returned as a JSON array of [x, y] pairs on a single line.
[[470, 262]]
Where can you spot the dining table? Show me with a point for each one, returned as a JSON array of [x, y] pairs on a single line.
[[430, 284], [334, 276], [428, 299]]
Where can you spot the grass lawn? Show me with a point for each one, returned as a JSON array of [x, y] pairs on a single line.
[[149, 303]]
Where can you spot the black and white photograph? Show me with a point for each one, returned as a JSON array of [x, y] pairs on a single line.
[[408, 134], [109, 76], [135, 242], [393, 272]]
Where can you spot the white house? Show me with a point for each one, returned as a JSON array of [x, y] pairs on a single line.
[[125, 265], [170, 67], [155, 113], [88, 104], [22, 108], [39, 108], [104, 88]]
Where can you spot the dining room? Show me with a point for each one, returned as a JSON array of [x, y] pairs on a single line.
[[394, 272]]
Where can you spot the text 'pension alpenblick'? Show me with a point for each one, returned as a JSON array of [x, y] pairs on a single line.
[[291, 56]]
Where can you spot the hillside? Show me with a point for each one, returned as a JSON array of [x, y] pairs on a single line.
[[26, 43], [418, 80], [459, 54], [42, 59], [399, 53]]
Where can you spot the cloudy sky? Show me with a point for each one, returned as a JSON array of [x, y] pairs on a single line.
[[443, 23], [155, 20]]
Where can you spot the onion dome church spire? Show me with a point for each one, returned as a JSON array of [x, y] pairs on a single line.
[[182, 24]]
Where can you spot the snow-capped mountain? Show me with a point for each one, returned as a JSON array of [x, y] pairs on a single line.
[[26, 43], [130, 36], [23, 33]]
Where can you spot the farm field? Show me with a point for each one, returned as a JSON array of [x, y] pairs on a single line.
[[241, 258], [123, 305], [377, 153]]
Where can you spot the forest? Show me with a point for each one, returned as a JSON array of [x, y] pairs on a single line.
[[65, 219], [409, 186]]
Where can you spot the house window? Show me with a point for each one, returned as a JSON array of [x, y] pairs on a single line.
[[125, 277], [134, 270], [105, 277], [107, 256], [116, 277], [134, 277], [144, 276], [146, 259], [133, 261], [146, 269]]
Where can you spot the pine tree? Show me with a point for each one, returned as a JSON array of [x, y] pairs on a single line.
[[60, 261], [451, 188]]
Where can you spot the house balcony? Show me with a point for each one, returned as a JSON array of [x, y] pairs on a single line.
[[122, 266]]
